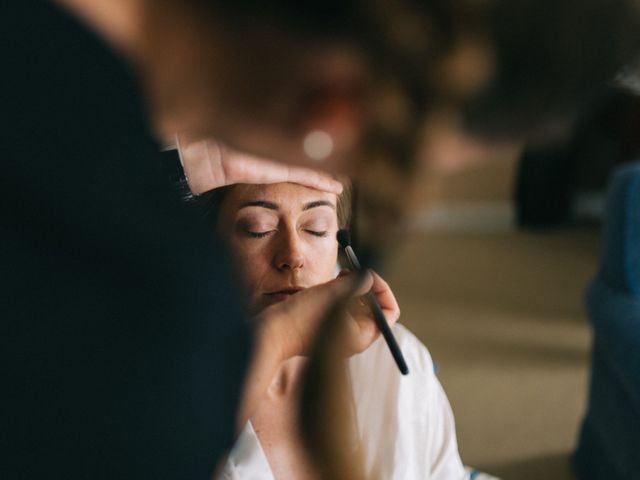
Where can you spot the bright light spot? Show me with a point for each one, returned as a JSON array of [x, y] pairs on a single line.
[[318, 145]]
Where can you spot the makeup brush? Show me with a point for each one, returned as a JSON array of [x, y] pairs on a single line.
[[344, 239]]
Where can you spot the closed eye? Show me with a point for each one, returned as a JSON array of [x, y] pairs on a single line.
[[317, 233], [259, 234]]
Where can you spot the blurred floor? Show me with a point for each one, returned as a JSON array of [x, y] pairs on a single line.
[[501, 313]]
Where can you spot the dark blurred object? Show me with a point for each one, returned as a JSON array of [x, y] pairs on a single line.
[[543, 188], [552, 180], [609, 446], [122, 341], [327, 414], [554, 61], [171, 162]]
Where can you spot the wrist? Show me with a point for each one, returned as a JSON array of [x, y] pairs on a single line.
[[268, 337]]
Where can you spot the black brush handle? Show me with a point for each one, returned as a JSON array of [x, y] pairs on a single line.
[[378, 316], [382, 324]]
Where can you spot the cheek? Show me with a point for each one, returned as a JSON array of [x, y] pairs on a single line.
[[323, 259], [253, 261]]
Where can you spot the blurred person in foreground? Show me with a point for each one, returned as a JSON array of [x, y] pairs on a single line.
[[119, 354]]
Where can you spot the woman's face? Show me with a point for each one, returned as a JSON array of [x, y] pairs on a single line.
[[284, 236]]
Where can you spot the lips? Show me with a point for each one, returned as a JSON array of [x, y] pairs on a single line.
[[282, 294]]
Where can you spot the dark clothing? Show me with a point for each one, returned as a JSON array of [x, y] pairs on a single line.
[[122, 344]]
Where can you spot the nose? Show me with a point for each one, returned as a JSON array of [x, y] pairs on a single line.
[[289, 254]]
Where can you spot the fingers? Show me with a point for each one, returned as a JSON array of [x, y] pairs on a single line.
[[365, 282], [363, 328], [362, 333], [244, 168], [328, 293], [385, 298], [208, 164], [297, 319], [383, 293], [202, 163], [314, 179]]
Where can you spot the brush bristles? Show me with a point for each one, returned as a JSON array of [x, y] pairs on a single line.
[[344, 238]]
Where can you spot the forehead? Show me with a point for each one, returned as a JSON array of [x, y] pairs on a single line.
[[286, 195]]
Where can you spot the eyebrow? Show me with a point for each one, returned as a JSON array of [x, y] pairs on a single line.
[[318, 203], [260, 203], [273, 206]]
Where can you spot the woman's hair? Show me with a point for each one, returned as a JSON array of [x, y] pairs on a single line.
[[344, 206], [212, 201]]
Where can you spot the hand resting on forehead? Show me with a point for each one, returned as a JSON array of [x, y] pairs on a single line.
[[209, 164]]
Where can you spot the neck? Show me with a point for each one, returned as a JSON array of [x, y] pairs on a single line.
[[119, 22]]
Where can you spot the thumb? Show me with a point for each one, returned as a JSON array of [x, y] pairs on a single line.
[[349, 285], [321, 297]]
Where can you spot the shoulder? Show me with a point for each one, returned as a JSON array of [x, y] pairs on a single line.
[[404, 417], [413, 349], [375, 369]]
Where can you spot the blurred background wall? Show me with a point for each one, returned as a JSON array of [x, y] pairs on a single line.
[[500, 309]]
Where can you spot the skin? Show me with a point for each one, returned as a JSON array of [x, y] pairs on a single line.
[[200, 75], [275, 230], [210, 164], [284, 238], [193, 73], [262, 93]]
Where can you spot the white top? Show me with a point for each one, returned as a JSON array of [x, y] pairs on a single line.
[[405, 423]]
